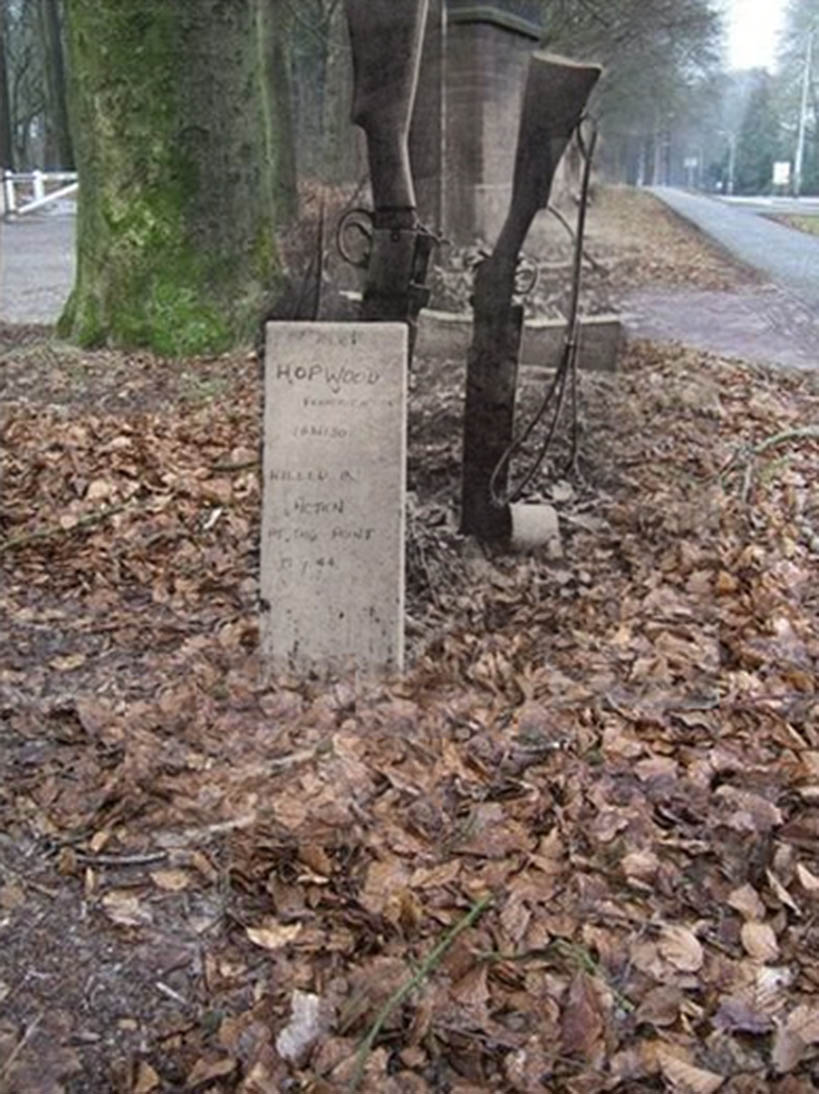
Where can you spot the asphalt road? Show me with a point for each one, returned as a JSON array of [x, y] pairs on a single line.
[[788, 258], [36, 265]]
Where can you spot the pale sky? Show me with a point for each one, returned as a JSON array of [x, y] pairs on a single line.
[[752, 29]]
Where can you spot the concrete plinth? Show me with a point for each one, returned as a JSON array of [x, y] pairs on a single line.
[[445, 335]]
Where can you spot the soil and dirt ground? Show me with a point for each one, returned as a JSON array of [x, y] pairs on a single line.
[[574, 849]]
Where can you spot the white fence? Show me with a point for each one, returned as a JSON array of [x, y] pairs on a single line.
[[26, 192]]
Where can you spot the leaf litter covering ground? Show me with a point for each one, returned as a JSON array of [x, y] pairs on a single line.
[[581, 834]]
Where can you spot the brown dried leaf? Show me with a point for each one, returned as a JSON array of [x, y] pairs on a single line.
[[205, 1070], [808, 880], [759, 941], [661, 1007], [787, 1050], [747, 902], [172, 881], [804, 1022], [146, 1079], [781, 892], [124, 908], [684, 1077], [273, 935], [582, 1022], [681, 948], [12, 896]]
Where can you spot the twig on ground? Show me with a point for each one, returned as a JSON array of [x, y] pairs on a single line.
[[243, 465], [21, 1044], [426, 967], [744, 457], [202, 835], [57, 530], [147, 859]]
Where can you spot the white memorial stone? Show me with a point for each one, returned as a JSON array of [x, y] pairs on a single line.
[[332, 548]]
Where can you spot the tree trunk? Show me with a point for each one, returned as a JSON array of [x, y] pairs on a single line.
[[182, 152], [53, 62], [6, 142]]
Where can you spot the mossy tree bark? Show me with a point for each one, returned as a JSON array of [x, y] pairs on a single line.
[[184, 153]]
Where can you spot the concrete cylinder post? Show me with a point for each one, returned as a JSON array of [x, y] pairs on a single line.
[[9, 203]]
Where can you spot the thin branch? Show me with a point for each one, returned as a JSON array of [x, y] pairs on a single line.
[[744, 457], [21, 1044], [17, 542], [148, 859], [426, 967]]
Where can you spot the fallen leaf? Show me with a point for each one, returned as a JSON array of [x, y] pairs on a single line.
[[100, 489], [125, 909], [304, 1028], [146, 1079], [274, 935], [661, 1007], [739, 1015], [747, 902], [787, 1050], [204, 1070], [12, 896], [685, 1078], [759, 941], [68, 663], [808, 880], [172, 881], [804, 1021], [681, 948], [781, 892], [582, 1023]]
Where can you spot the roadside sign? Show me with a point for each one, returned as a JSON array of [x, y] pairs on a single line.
[[782, 173]]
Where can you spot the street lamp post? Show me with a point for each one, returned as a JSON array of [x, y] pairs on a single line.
[[732, 161], [799, 159]]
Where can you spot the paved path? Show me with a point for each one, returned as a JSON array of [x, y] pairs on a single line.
[[36, 266], [789, 258], [777, 323]]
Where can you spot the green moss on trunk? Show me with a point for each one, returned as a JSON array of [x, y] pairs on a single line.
[[178, 173]]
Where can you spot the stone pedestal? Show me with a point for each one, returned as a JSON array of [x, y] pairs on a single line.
[[332, 548]]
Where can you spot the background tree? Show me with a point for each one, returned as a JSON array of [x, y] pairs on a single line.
[[183, 147], [59, 152], [319, 67], [758, 139], [25, 82], [6, 143], [656, 54], [801, 23]]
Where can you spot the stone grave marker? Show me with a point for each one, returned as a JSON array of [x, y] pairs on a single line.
[[333, 499]]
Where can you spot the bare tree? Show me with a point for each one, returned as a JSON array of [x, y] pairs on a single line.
[[58, 151], [6, 143]]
